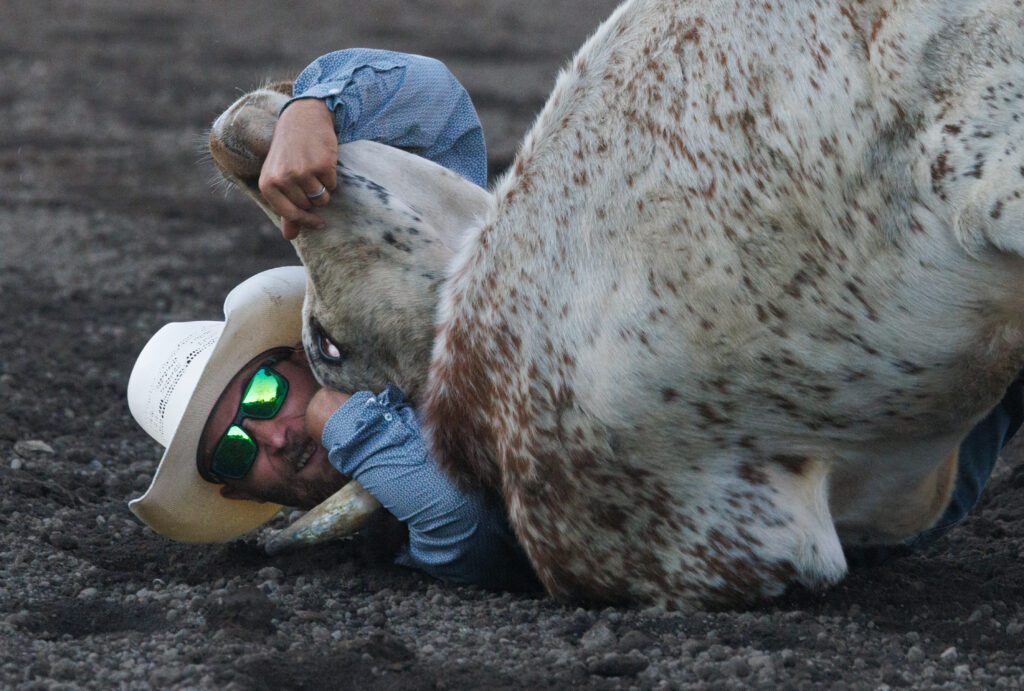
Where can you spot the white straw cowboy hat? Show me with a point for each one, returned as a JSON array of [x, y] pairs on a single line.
[[174, 386]]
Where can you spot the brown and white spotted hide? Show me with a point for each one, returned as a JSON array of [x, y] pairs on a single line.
[[755, 273]]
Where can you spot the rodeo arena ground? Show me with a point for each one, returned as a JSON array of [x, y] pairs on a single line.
[[114, 222]]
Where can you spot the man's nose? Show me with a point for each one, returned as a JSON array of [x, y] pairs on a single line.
[[269, 433]]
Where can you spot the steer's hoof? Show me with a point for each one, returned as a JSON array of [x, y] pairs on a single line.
[[240, 137]]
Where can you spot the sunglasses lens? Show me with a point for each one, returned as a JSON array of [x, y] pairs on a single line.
[[234, 454], [264, 395]]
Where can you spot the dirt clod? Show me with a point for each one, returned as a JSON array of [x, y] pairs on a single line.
[[619, 665]]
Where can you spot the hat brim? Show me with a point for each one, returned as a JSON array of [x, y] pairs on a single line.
[[179, 503]]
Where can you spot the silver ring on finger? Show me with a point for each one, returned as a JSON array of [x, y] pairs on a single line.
[[322, 192]]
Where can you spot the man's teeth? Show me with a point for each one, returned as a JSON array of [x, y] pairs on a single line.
[[305, 458]]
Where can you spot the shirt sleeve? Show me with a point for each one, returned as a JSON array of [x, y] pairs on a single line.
[[407, 101], [461, 538]]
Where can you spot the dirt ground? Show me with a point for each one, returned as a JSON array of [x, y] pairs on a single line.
[[110, 227]]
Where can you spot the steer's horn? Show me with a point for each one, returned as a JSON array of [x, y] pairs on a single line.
[[341, 514]]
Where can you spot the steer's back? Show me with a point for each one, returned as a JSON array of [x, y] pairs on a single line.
[[731, 257]]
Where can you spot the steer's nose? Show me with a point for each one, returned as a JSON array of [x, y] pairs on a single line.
[[240, 137]]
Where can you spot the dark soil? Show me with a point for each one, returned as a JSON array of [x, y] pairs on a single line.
[[110, 226]]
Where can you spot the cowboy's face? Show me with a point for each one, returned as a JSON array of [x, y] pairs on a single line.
[[291, 468]]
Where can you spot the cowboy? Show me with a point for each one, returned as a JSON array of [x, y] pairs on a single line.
[[247, 430]]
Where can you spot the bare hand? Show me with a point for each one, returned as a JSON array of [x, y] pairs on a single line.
[[302, 160], [320, 408]]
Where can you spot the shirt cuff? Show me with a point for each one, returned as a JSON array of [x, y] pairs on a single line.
[[331, 93], [346, 422]]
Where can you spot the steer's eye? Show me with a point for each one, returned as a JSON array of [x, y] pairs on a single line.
[[328, 349]]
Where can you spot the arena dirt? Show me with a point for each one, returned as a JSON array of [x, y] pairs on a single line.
[[110, 227]]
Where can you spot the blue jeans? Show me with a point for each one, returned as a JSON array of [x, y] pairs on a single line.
[[978, 453]]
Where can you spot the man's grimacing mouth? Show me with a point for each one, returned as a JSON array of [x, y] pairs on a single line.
[[306, 455]]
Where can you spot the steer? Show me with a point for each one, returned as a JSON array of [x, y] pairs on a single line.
[[754, 274]]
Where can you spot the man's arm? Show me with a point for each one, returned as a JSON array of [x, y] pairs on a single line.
[[406, 101], [453, 536]]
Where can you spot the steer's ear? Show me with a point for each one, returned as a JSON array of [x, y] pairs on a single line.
[[446, 201]]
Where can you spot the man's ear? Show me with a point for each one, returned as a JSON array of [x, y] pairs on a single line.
[[229, 492]]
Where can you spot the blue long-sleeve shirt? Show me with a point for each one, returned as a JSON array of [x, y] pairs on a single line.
[[461, 538], [406, 101]]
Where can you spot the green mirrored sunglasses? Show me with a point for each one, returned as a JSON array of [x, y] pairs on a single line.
[[236, 451]]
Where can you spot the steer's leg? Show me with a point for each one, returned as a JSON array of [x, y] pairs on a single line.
[[739, 531], [870, 510], [801, 489]]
